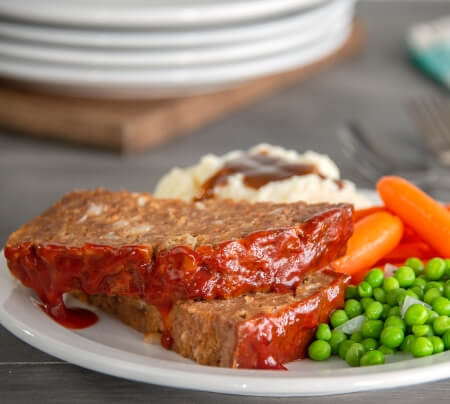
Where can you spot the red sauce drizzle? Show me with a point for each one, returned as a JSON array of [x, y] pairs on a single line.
[[267, 341], [258, 170], [74, 318]]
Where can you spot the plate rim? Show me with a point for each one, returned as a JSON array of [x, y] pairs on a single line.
[[210, 75], [200, 13], [183, 58], [193, 36]]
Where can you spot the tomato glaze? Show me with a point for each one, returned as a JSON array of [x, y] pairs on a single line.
[[271, 260], [268, 341]]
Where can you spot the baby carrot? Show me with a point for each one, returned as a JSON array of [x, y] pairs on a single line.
[[362, 213], [374, 237], [429, 219]]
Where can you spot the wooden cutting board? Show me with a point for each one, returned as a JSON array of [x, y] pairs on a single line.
[[132, 126]]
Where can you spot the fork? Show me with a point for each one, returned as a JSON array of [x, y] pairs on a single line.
[[432, 116], [372, 164]]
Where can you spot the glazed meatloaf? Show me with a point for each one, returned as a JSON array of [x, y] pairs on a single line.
[[166, 251], [259, 331]]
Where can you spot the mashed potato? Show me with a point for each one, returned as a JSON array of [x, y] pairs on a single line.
[[187, 183]]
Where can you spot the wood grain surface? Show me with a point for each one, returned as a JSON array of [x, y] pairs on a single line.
[[372, 87]]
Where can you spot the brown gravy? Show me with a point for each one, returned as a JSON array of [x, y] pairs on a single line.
[[257, 170]]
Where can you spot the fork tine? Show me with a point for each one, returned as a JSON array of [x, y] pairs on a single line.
[[358, 156], [442, 113], [421, 116], [432, 118]]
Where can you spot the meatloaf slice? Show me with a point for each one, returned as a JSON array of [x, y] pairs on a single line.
[[162, 251], [262, 330]]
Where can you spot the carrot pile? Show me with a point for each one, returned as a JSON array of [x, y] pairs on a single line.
[[408, 224]]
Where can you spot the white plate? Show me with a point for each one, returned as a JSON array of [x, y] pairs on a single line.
[[113, 348], [154, 82], [175, 37], [171, 58], [133, 13]]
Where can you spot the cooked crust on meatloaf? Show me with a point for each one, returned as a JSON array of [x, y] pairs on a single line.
[[253, 331], [122, 218]]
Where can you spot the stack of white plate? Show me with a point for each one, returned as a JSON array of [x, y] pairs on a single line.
[[163, 48]]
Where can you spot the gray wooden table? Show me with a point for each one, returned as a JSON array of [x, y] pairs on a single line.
[[371, 87]]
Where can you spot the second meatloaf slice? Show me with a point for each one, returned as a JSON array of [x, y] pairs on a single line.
[[262, 330]]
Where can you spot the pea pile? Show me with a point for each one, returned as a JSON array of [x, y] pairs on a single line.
[[407, 312]]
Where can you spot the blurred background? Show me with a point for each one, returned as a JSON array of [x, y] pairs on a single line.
[[115, 93]]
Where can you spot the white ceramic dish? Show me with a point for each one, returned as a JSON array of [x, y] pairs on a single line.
[[154, 82], [169, 58], [176, 37], [134, 13], [113, 348]]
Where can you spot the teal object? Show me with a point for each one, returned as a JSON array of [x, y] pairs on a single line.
[[429, 48]]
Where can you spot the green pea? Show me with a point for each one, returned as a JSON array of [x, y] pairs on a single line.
[[380, 295], [402, 296], [416, 315], [392, 337], [441, 306], [435, 269], [423, 330], [447, 270], [365, 289], [390, 284], [416, 264], [319, 350], [435, 285], [418, 291], [372, 358], [386, 350], [372, 328], [420, 282], [395, 321], [447, 289], [394, 311], [336, 338], [431, 316], [391, 296], [338, 318], [351, 292], [438, 344], [374, 310], [354, 354], [441, 325], [375, 278], [356, 337], [386, 309], [446, 339], [406, 345], [369, 344], [405, 276], [343, 347], [353, 308], [421, 346], [323, 332], [365, 301], [430, 295]]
